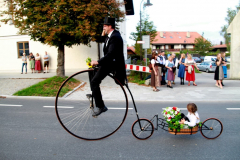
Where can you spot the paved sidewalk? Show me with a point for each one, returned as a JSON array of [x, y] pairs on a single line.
[[205, 91]]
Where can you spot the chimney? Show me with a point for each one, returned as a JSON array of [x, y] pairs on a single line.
[[220, 42], [188, 34], [161, 34]]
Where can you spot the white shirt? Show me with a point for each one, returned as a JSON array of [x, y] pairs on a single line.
[[109, 35], [161, 61], [189, 61], [193, 119], [167, 61], [176, 62], [153, 61]]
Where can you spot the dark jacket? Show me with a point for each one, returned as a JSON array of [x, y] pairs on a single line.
[[113, 56]]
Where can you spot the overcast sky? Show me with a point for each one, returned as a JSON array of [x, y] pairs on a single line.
[[184, 15]]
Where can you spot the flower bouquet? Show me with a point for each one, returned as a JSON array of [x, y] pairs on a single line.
[[88, 61], [173, 116]]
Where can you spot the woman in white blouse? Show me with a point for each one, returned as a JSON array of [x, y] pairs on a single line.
[[169, 74], [155, 77], [190, 73]]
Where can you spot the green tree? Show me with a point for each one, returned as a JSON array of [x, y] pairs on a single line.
[[147, 28], [231, 13], [202, 45], [61, 23]]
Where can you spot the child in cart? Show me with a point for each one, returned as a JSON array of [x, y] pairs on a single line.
[[192, 117]]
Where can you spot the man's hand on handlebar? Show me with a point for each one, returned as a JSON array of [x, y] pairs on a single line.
[[94, 63]]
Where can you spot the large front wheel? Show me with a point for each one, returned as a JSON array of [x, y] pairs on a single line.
[[142, 129], [75, 105]]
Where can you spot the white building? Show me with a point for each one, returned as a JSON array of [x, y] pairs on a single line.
[[234, 31], [12, 44]]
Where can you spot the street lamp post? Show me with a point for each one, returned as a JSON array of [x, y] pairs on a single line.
[[146, 4]]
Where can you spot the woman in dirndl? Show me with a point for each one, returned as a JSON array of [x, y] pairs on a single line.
[[32, 61], [38, 63], [218, 76], [169, 75], [155, 77], [190, 73], [181, 70]]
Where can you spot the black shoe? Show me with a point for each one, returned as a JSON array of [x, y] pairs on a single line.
[[100, 110], [167, 85], [223, 84], [170, 87]]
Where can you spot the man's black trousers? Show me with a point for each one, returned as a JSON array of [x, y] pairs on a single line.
[[102, 72]]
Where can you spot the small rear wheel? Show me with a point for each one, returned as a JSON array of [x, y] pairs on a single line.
[[207, 71], [211, 128], [142, 129]]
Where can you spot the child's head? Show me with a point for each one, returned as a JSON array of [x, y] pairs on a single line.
[[192, 107]]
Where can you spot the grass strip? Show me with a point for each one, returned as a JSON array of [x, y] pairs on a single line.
[[49, 87]]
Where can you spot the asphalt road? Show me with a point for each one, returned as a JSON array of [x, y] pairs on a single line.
[[29, 131]]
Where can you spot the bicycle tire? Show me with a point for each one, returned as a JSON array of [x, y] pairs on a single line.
[[211, 128], [145, 131], [74, 110]]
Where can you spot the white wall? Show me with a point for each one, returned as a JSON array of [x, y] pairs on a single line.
[[74, 57], [234, 30], [189, 46]]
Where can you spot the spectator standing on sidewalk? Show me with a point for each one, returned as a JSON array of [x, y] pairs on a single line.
[[46, 62], [155, 77], [159, 63], [164, 69], [32, 61], [218, 76], [24, 62], [181, 70], [175, 61], [169, 73], [224, 65], [190, 75], [38, 63]]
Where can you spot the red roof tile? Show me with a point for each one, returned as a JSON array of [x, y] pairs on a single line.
[[174, 37], [131, 48], [220, 46]]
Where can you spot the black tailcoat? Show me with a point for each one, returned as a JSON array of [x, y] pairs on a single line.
[[112, 62], [113, 56]]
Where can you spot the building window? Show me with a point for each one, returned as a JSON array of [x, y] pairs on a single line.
[[23, 47]]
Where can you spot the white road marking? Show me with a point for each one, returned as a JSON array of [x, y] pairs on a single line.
[[58, 107], [233, 108], [73, 107], [11, 105], [119, 108]]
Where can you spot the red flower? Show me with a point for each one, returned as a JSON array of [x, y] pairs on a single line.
[[166, 113], [174, 108], [169, 117]]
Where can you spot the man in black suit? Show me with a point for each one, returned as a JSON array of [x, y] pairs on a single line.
[[112, 62]]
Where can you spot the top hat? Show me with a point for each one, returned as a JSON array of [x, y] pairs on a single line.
[[109, 21]]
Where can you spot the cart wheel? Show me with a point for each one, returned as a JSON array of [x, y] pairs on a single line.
[[142, 129], [211, 128]]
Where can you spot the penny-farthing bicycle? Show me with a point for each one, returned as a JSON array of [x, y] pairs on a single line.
[[74, 106]]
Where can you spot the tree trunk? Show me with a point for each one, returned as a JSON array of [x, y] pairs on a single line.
[[61, 61]]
